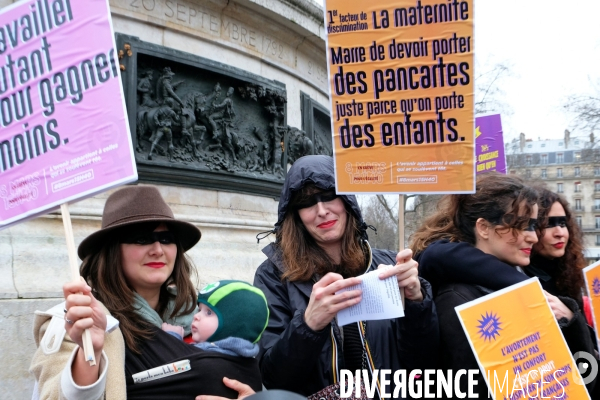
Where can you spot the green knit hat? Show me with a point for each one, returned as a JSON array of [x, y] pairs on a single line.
[[242, 309]]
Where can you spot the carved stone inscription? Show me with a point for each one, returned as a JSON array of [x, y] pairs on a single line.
[[202, 19], [203, 120], [314, 71]]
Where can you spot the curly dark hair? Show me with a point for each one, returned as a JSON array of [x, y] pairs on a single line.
[[570, 278], [504, 200]]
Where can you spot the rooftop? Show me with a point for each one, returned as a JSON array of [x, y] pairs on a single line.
[[548, 145]]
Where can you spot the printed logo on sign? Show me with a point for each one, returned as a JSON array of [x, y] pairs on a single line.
[[596, 286], [366, 173], [489, 326], [20, 191]]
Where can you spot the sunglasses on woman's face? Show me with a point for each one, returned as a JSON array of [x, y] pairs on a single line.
[[557, 221], [530, 227], [322, 197], [146, 238]]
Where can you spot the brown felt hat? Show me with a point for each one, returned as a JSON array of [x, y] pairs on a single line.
[[132, 205]]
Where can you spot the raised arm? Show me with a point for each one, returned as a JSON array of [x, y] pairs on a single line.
[[65, 373]]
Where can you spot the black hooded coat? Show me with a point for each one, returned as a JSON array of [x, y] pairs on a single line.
[[296, 358]]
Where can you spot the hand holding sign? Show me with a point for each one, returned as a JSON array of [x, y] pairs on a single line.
[[86, 326], [559, 309], [86, 345]]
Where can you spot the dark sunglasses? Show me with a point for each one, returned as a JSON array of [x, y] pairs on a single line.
[[557, 221], [531, 226], [322, 197], [146, 238]]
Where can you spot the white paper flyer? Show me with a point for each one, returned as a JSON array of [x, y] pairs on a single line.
[[380, 300]]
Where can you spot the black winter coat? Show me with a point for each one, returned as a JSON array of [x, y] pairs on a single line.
[[296, 358], [461, 273]]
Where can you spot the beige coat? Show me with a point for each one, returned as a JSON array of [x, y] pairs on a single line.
[[47, 368]]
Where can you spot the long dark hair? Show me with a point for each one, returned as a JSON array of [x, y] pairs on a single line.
[[570, 278], [103, 271], [303, 257], [499, 199]]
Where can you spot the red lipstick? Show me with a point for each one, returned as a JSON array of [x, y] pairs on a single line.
[[559, 245], [155, 264], [327, 224]]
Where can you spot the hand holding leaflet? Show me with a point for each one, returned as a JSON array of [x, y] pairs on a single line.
[[380, 300]]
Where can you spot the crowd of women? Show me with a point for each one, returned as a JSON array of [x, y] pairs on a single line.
[[135, 272]]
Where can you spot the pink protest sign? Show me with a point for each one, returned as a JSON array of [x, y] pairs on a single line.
[[63, 125]]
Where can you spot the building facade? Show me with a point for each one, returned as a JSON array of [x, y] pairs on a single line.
[[569, 166]]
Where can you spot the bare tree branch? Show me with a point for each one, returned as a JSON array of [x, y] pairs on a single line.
[[488, 89], [414, 208], [386, 207], [586, 109]]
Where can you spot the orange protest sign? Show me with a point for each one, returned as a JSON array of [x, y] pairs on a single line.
[[591, 275], [401, 84], [519, 346]]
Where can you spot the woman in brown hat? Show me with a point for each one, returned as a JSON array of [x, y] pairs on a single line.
[[138, 275]]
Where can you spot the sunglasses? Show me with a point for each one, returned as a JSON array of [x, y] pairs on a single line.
[[557, 221], [310, 201], [531, 226], [146, 238]]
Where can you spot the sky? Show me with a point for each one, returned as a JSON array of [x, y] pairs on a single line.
[[552, 49]]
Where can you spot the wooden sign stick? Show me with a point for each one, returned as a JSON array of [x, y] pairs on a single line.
[[401, 232], [88, 348]]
